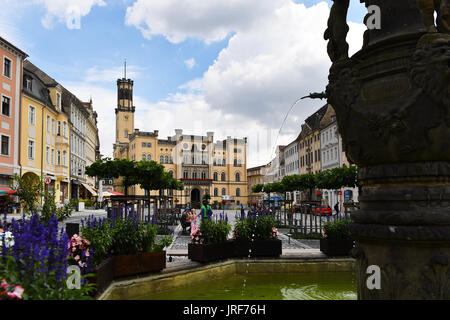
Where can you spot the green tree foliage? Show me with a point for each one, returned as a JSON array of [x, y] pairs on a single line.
[[29, 190], [257, 188]]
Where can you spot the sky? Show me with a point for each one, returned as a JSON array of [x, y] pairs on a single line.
[[234, 67]]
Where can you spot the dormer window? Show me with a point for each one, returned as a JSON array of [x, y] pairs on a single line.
[[58, 101], [28, 83]]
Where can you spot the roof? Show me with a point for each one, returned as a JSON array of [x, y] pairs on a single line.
[[313, 120], [13, 47], [45, 78]]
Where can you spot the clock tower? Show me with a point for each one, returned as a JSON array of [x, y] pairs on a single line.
[[124, 112]]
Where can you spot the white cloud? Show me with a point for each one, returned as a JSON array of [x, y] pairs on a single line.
[[211, 20], [276, 56], [69, 12], [95, 74], [190, 63]]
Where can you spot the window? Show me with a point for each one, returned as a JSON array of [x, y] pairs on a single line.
[[58, 128], [238, 192], [53, 126], [126, 134], [223, 176], [171, 173], [5, 145], [186, 175], [215, 176], [144, 157], [203, 175], [171, 159], [224, 192], [166, 159], [6, 106], [216, 192], [65, 129], [31, 115], [64, 161], [28, 84], [58, 100], [161, 159], [48, 123], [7, 67], [238, 177], [194, 175], [58, 158], [53, 156], [149, 157], [144, 145], [47, 155], [30, 149]]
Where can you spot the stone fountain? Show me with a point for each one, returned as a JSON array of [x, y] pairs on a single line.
[[392, 103]]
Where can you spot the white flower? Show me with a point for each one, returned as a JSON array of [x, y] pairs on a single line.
[[9, 239]]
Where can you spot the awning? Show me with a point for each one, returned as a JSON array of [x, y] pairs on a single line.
[[89, 188], [112, 193], [5, 191]]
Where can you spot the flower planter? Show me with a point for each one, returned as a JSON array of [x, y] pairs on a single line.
[[336, 247], [134, 264], [210, 252], [257, 248], [104, 275]]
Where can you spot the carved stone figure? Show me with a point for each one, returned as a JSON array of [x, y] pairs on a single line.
[[442, 7], [337, 31]]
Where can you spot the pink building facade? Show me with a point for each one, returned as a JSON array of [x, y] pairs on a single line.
[[10, 92]]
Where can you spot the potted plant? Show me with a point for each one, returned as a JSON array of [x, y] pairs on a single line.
[[124, 247], [256, 237], [336, 240], [210, 241]]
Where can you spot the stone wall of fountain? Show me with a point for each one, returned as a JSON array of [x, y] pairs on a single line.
[[392, 102]]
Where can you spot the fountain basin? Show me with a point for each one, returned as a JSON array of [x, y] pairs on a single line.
[[160, 286]]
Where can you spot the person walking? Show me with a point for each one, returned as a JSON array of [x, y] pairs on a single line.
[[336, 208], [204, 211]]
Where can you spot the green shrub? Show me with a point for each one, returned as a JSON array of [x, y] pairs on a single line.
[[211, 232], [88, 202], [337, 229], [261, 228]]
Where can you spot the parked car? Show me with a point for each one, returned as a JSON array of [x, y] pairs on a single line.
[[323, 209]]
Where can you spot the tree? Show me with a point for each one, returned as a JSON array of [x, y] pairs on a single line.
[[337, 178], [107, 168], [151, 176], [29, 190], [307, 182]]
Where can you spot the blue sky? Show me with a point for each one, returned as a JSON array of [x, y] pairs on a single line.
[[225, 88]]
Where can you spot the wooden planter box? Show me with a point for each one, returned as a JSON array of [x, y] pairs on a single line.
[[104, 275], [259, 248], [134, 264], [336, 247], [210, 252]]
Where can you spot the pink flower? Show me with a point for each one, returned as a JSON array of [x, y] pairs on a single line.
[[74, 249], [18, 291], [77, 257]]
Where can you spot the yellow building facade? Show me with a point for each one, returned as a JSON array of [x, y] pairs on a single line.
[[45, 130], [204, 166]]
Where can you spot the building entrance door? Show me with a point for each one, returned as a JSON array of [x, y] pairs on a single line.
[[195, 196]]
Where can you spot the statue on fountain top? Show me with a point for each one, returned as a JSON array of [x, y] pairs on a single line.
[[337, 31], [442, 8]]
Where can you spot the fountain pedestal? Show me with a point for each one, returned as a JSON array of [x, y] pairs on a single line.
[[392, 103]]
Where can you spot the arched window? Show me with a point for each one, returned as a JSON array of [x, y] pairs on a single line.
[[238, 192], [224, 192], [161, 159], [166, 159], [238, 177], [216, 192], [203, 175], [224, 163], [171, 173], [149, 157], [223, 176], [144, 157], [186, 175], [171, 159], [194, 175], [215, 176]]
